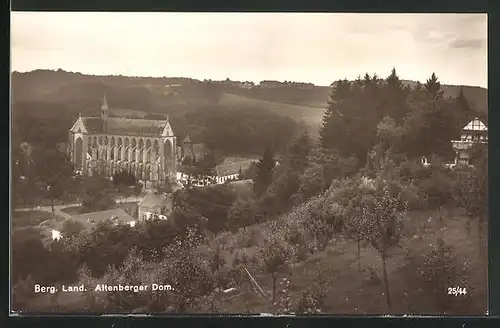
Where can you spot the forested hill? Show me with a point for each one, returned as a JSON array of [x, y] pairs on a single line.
[[147, 93]]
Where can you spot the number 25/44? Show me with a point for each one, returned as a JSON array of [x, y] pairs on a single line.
[[457, 291]]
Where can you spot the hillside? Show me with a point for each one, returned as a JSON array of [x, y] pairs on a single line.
[[43, 85], [309, 115], [477, 96]]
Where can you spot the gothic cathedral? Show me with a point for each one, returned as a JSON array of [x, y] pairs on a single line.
[[106, 145]]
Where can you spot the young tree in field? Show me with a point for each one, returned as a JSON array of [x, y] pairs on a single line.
[[275, 258], [241, 214], [355, 221], [265, 170], [186, 270], [312, 300], [53, 170], [384, 219], [26, 190]]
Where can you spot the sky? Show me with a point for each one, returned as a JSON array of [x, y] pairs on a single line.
[[304, 47]]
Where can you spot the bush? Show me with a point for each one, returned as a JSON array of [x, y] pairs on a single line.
[[29, 256], [439, 270], [124, 178], [241, 214], [71, 228], [313, 299], [412, 197], [413, 170], [436, 190], [97, 202]]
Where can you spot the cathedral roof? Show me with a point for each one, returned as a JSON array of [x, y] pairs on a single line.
[[125, 126]]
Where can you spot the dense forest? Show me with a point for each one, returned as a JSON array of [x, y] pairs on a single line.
[[349, 223]]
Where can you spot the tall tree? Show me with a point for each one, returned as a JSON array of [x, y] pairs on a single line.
[[433, 87], [431, 125], [265, 170], [333, 125], [298, 152], [53, 171], [465, 112], [393, 80], [395, 95], [275, 258], [384, 222]]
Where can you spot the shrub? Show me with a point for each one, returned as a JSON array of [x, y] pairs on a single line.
[[312, 300], [71, 228], [412, 197], [100, 201], [276, 258], [437, 189], [438, 270], [411, 171]]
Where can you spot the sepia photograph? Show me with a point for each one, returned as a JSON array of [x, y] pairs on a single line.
[[249, 163]]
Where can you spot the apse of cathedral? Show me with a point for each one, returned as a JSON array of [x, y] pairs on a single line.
[[106, 145]]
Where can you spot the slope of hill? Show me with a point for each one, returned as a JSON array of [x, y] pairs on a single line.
[[477, 96], [309, 115], [147, 94]]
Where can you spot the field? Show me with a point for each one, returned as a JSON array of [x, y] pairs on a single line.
[[309, 115], [130, 208], [350, 289], [27, 219], [40, 221]]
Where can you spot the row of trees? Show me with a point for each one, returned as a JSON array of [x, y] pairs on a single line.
[[370, 110]]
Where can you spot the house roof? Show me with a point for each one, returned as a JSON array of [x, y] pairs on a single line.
[[126, 126], [476, 125], [152, 200], [226, 169], [95, 217], [187, 139]]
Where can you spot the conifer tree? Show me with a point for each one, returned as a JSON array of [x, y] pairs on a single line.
[[333, 126], [395, 100], [465, 112], [393, 80], [265, 169], [299, 151], [433, 87]]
